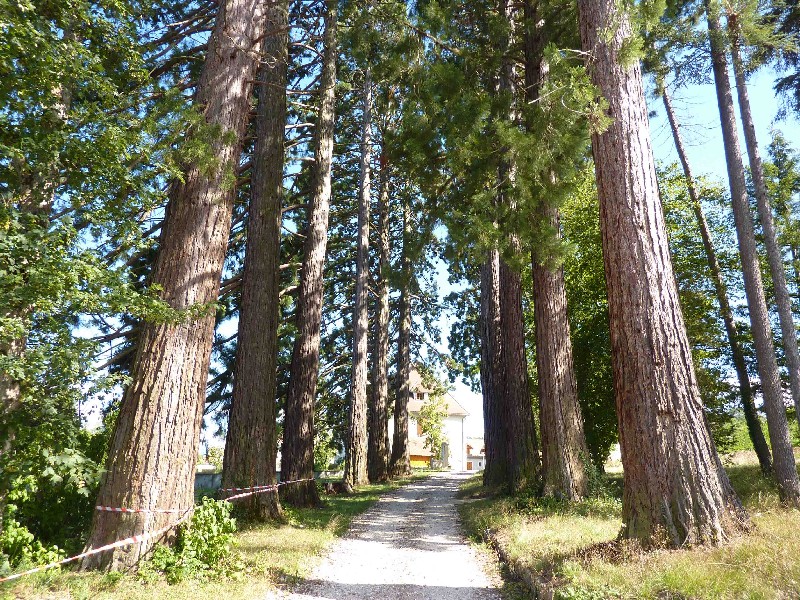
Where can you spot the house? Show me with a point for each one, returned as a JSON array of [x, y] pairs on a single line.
[[476, 454], [453, 455]]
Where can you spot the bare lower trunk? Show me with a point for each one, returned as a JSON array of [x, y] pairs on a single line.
[[774, 255], [154, 449], [400, 464], [782, 455], [737, 354], [676, 491], [251, 442], [496, 473], [522, 451], [378, 453], [297, 456], [564, 450], [355, 465]]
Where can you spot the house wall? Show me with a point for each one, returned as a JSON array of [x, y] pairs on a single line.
[[454, 431], [456, 442]]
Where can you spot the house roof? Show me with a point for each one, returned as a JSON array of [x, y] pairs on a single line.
[[415, 383], [454, 409]]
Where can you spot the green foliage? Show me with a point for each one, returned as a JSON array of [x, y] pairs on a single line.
[[18, 546], [710, 347], [86, 145], [325, 449], [214, 456], [587, 306], [431, 420], [202, 548]]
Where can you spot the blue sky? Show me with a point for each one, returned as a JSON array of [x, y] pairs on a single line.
[[696, 107]]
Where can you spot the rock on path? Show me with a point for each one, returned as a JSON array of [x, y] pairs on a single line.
[[408, 546]]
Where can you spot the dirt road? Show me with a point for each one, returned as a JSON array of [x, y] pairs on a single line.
[[408, 546]]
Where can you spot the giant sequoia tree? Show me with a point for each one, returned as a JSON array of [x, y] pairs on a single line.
[[251, 443], [297, 457], [355, 471], [676, 491], [154, 449], [400, 461], [512, 453], [378, 446], [564, 449]]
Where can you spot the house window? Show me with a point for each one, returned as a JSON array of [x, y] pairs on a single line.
[[419, 429]]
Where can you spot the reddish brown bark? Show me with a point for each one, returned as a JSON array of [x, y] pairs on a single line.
[[676, 491], [251, 442], [378, 452], [297, 451], [355, 466], [154, 448], [400, 463], [564, 450], [494, 425], [513, 462]]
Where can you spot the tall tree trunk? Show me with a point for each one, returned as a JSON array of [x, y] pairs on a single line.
[[782, 455], [496, 472], [564, 450], [154, 449], [251, 442], [774, 254], [378, 452], [355, 465], [523, 448], [400, 464], [737, 354], [297, 456], [515, 453], [676, 491]]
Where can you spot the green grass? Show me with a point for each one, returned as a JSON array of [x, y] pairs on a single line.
[[270, 556], [551, 539]]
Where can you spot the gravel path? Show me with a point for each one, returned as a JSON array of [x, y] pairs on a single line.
[[408, 546]]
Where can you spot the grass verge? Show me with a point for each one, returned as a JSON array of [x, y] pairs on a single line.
[[269, 556], [545, 541]]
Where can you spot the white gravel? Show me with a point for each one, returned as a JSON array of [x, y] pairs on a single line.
[[408, 546]]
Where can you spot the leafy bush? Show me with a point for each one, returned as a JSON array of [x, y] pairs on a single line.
[[18, 547], [202, 547], [53, 485]]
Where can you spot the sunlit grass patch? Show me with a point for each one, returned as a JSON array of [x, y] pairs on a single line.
[[571, 546]]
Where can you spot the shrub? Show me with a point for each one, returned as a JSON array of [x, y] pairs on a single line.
[[18, 547], [202, 547]]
